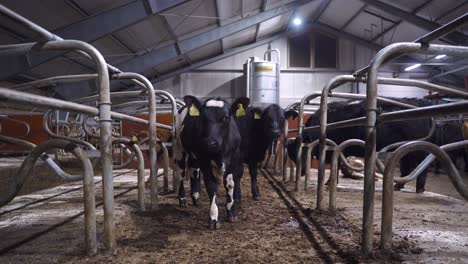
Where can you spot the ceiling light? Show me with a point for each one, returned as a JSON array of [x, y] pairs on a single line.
[[438, 57], [412, 67], [297, 21]]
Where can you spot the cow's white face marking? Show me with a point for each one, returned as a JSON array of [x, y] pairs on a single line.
[[195, 175], [354, 102], [230, 190], [214, 209], [215, 103], [196, 195]]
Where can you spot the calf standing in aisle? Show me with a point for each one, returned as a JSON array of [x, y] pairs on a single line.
[[210, 136], [259, 129]]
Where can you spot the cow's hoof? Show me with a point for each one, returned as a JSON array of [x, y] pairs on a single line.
[[182, 203], [420, 190], [195, 202], [232, 219], [256, 197], [214, 225], [397, 187]]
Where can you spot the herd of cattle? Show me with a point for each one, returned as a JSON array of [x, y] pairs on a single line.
[[215, 139]]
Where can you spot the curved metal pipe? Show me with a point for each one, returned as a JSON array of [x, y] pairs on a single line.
[[24, 172], [427, 161], [387, 195], [387, 53], [148, 86], [334, 168], [285, 155], [25, 124], [52, 165], [140, 169], [45, 125]]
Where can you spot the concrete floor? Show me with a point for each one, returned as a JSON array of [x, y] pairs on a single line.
[[36, 226]]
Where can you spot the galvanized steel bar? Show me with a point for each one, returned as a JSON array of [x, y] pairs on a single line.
[[382, 56], [88, 184], [148, 86], [387, 195], [428, 160], [140, 169]]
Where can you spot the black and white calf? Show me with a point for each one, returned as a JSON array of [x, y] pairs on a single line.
[[211, 137], [259, 128], [184, 156]]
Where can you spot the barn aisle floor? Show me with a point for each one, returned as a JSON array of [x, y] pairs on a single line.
[[280, 228]]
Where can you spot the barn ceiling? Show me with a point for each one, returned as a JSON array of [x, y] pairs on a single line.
[[161, 38]]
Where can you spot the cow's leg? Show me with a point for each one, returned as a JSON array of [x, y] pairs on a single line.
[[238, 171], [195, 185], [403, 172], [229, 185], [465, 160], [253, 180], [212, 188], [421, 182], [182, 194]]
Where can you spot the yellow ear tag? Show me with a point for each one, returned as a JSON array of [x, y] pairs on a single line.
[[290, 118], [240, 110], [134, 139], [194, 111], [257, 115]]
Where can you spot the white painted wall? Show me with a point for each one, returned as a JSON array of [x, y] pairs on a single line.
[[224, 78]]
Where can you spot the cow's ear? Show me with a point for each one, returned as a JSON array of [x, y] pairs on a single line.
[[290, 115], [193, 105], [239, 106], [257, 113]]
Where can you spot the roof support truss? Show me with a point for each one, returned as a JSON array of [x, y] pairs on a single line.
[[155, 57], [454, 37], [98, 26]]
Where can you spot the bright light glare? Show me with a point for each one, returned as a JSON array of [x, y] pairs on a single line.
[[412, 67], [438, 57], [297, 21]]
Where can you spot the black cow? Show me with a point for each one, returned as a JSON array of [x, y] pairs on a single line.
[[259, 129], [387, 133], [211, 137], [446, 133]]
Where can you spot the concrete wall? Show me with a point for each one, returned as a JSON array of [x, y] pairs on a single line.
[[225, 78]]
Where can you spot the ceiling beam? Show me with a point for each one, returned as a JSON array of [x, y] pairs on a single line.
[[320, 9], [437, 76], [454, 37], [219, 23], [174, 37], [98, 26], [142, 63], [380, 16], [351, 19], [416, 10], [262, 9], [365, 43], [448, 12]]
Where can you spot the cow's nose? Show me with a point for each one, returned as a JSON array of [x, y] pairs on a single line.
[[276, 132], [210, 143]]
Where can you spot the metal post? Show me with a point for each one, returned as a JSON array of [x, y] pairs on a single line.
[[152, 131], [387, 195], [370, 155], [105, 128]]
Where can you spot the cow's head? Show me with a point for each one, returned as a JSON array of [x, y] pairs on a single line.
[[273, 118], [213, 122]]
